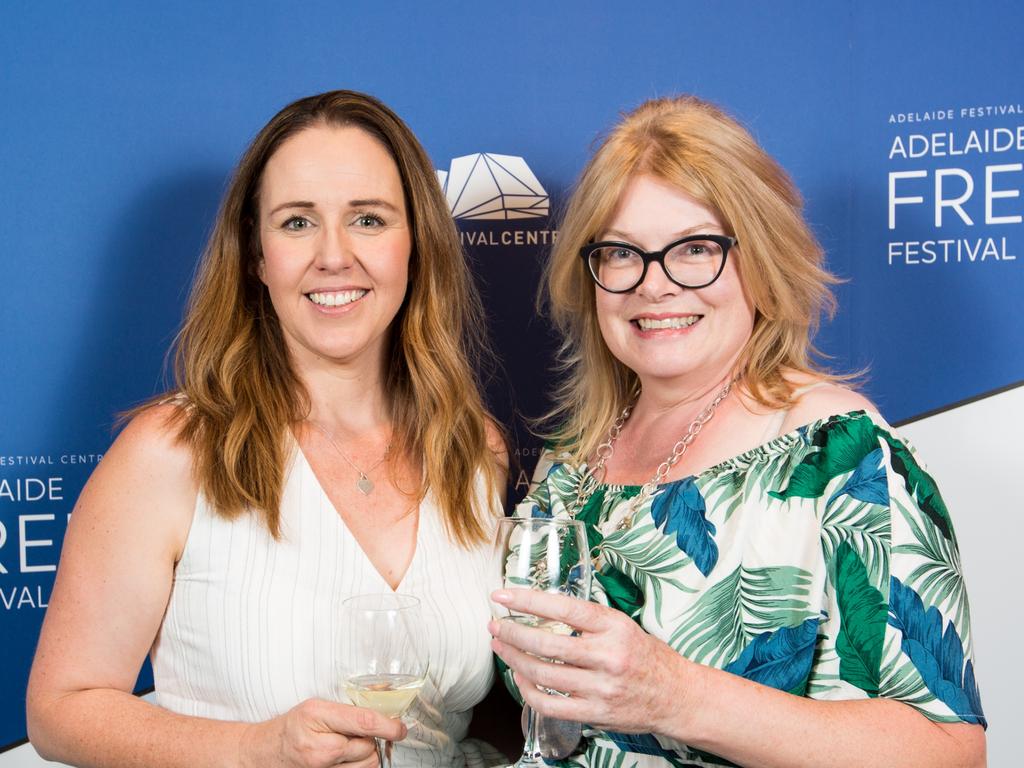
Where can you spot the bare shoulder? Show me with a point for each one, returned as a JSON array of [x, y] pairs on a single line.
[[150, 444], [498, 446], [821, 399], [497, 442], [144, 478]]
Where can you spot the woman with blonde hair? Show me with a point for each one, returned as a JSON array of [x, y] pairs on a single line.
[[326, 438], [781, 578]]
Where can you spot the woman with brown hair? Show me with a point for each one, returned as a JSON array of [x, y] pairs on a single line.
[[781, 577], [326, 438]]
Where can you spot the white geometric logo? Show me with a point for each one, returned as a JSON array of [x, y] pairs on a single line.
[[489, 186]]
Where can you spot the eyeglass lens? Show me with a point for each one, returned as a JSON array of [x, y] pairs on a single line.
[[694, 263]]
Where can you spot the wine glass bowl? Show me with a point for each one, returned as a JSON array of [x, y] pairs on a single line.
[[549, 555], [543, 553], [383, 664]]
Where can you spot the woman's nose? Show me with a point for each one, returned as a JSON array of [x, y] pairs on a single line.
[[335, 250], [656, 283]]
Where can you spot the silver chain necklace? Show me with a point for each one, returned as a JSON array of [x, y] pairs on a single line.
[[593, 477], [364, 483]]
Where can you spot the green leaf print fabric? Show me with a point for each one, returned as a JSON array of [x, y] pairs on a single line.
[[863, 614], [822, 563]]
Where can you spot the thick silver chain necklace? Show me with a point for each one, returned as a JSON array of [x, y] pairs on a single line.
[[593, 477], [364, 483]]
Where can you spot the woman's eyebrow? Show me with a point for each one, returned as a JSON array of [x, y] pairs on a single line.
[[360, 203], [704, 228]]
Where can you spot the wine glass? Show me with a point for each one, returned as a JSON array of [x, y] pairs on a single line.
[[547, 554], [384, 667]]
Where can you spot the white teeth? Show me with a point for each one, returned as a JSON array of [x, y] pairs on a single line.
[[336, 298], [650, 324]]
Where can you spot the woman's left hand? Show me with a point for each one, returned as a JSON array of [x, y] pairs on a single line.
[[617, 677]]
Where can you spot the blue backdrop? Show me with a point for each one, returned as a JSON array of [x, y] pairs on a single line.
[[122, 121]]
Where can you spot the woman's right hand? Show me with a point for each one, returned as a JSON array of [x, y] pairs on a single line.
[[318, 733]]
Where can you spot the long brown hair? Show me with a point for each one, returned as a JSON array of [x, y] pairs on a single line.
[[239, 391], [697, 148]]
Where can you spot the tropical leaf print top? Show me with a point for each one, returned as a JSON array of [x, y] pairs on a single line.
[[822, 563]]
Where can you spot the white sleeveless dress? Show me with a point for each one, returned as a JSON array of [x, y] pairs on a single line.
[[253, 624]]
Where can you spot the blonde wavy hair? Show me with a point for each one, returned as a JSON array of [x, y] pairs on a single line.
[[694, 146], [232, 369]]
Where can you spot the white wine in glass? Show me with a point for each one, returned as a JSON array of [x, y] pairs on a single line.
[[384, 663], [547, 554], [391, 695]]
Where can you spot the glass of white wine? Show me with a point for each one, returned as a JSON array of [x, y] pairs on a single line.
[[548, 554], [384, 663]]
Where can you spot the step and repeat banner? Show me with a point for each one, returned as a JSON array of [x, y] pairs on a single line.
[[902, 123]]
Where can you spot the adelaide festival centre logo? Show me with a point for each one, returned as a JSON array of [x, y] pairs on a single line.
[[489, 186], [486, 187]]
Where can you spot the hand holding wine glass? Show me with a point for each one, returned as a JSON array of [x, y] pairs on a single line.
[[384, 664], [548, 555]]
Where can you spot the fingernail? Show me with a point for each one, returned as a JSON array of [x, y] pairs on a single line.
[[492, 627], [501, 596]]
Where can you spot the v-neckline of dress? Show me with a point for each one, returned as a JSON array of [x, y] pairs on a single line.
[[340, 520]]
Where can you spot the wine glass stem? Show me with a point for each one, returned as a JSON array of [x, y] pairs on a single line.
[[531, 749], [383, 753]]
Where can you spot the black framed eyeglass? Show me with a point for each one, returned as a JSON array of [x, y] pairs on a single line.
[[695, 261]]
